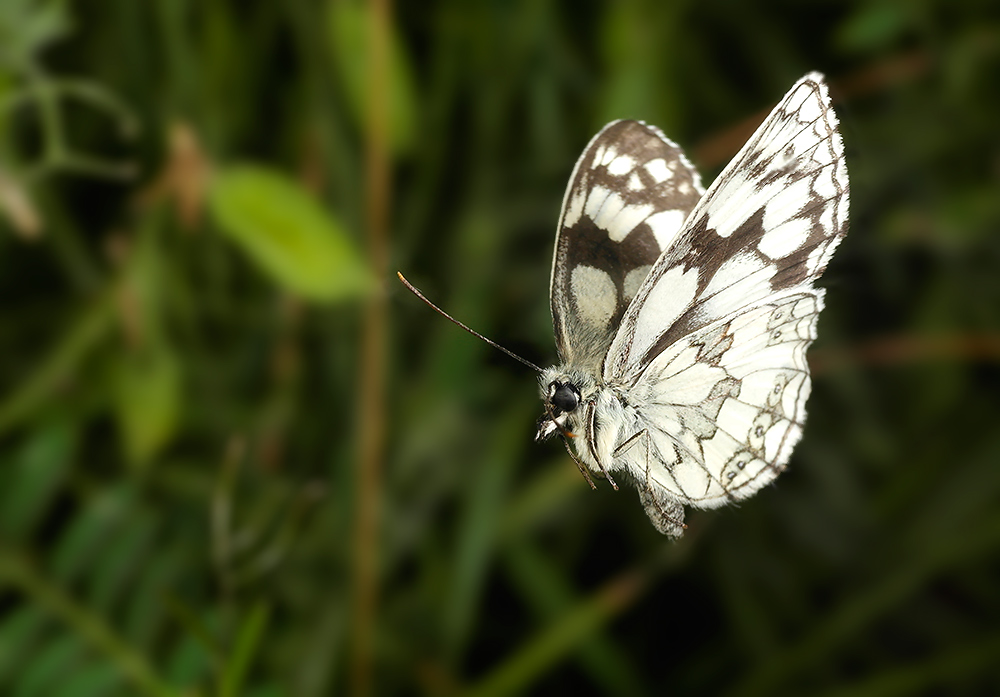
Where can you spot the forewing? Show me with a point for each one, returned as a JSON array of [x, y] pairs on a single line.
[[767, 226], [724, 407], [626, 201]]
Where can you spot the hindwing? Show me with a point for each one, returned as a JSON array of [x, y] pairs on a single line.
[[725, 406]]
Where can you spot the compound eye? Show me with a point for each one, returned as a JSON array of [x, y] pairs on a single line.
[[565, 398]]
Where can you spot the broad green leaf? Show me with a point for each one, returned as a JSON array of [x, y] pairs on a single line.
[[146, 376], [146, 386], [30, 481], [349, 33], [288, 234]]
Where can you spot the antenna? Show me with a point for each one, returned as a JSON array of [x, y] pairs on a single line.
[[471, 331]]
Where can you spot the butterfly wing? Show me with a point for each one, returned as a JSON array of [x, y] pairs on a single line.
[[627, 199], [724, 407], [712, 348]]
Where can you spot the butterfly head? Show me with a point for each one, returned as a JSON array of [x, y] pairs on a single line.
[[562, 394]]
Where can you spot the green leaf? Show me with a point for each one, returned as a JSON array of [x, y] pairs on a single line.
[[147, 389], [288, 234], [29, 482], [349, 33], [873, 26], [246, 645]]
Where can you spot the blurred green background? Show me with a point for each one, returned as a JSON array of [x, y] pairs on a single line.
[[238, 458]]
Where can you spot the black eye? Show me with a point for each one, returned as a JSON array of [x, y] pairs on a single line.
[[565, 397]]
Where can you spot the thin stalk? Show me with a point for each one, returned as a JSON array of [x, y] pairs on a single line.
[[373, 346]]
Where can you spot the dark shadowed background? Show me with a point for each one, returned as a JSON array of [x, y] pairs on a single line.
[[238, 458]]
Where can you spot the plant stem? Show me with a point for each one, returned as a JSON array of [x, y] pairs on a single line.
[[373, 344]]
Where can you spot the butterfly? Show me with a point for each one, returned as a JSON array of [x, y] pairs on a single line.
[[682, 316]]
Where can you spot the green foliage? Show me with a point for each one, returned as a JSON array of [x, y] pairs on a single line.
[[286, 233], [182, 355], [146, 387], [27, 27]]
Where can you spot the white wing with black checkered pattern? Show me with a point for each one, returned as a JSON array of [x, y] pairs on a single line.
[[701, 390]]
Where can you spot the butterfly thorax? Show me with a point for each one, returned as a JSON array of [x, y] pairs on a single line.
[[595, 416], [569, 394]]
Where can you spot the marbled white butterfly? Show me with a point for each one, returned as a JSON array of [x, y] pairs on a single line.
[[682, 317]]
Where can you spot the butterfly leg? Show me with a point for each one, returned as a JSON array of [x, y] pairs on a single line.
[[592, 441], [665, 512], [632, 441], [566, 435]]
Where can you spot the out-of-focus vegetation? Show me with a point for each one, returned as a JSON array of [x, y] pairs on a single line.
[[187, 276]]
